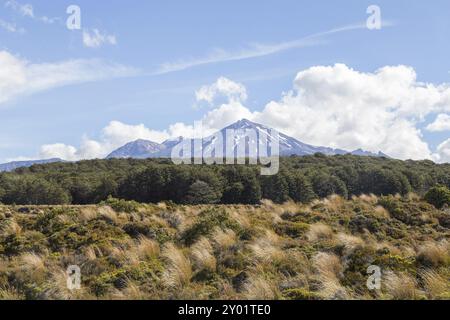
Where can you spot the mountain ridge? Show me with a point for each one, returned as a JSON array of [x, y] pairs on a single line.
[[289, 146], [144, 149], [11, 166]]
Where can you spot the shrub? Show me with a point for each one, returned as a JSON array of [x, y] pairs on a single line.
[[120, 205], [438, 196], [300, 294], [207, 221]]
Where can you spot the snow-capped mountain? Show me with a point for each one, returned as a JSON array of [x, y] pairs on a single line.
[[287, 145], [11, 166], [139, 149]]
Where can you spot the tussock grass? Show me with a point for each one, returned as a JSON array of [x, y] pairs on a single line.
[[310, 251], [401, 286], [319, 232], [178, 272], [434, 254], [202, 255]]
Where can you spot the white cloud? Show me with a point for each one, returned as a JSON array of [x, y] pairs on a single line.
[[113, 136], [223, 87], [254, 50], [10, 27], [340, 107], [332, 106], [27, 10], [57, 150], [443, 152], [442, 123], [117, 133], [19, 77], [95, 38]]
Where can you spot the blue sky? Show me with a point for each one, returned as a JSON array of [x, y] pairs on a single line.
[[259, 45]]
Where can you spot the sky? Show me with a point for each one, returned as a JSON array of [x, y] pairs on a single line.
[[149, 69]]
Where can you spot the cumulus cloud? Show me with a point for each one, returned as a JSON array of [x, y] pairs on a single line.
[[333, 106], [442, 123], [19, 77], [223, 87], [443, 152], [340, 107], [113, 136], [95, 38]]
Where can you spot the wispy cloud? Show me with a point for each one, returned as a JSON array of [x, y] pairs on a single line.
[[27, 10], [255, 50], [10, 27], [95, 38], [18, 77]]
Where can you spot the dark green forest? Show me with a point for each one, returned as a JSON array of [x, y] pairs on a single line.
[[301, 179]]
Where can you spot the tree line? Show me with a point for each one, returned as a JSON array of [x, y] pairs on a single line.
[[301, 179]]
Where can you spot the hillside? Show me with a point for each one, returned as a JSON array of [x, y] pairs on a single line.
[[289, 251]]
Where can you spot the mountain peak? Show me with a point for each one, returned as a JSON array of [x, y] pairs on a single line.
[[244, 124], [137, 149]]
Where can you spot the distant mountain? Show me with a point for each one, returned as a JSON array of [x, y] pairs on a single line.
[[11, 166], [142, 149], [139, 149]]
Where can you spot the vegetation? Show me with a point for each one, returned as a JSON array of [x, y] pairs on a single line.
[[438, 196], [301, 179], [319, 250]]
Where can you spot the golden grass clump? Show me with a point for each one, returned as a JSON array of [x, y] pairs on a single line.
[[259, 288], [147, 249], [381, 212], [109, 214], [319, 232], [400, 286], [32, 262], [87, 213], [10, 227], [223, 239], [202, 255], [178, 271], [371, 198], [435, 285], [349, 241], [329, 270], [434, 253]]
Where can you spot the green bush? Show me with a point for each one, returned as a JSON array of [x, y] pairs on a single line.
[[438, 196], [207, 221], [120, 205], [300, 294]]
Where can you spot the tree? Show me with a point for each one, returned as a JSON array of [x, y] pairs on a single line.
[[384, 182], [438, 196], [107, 188], [201, 193], [326, 185], [300, 189], [233, 193], [36, 191], [275, 188]]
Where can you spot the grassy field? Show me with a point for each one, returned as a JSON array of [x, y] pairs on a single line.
[[318, 251]]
